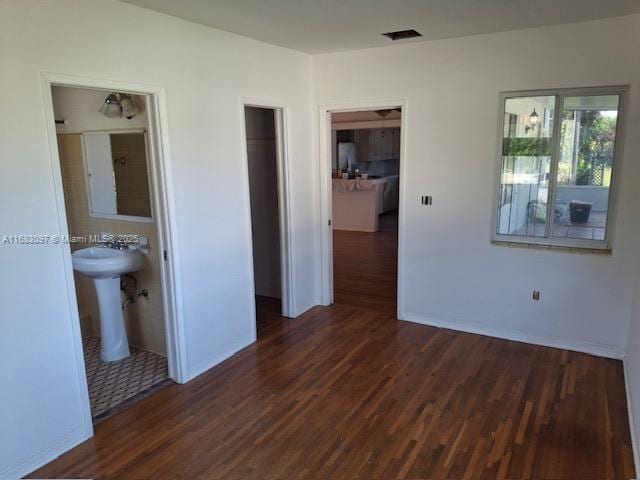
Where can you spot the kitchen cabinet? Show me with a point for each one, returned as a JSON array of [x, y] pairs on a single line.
[[391, 194], [386, 150], [395, 148], [378, 144], [361, 139]]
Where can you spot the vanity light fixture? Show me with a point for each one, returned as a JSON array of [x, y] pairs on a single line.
[[118, 105]]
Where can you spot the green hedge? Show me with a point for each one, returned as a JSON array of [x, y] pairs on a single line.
[[526, 147]]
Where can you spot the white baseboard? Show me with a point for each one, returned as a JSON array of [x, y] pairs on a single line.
[[305, 309], [200, 369], [634, 443], [46, 455], [584, 346]]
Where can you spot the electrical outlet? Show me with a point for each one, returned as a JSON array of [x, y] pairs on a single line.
[[536, 295]]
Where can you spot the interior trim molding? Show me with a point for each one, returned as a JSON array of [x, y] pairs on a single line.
[[285, 207], [634, 440], [47, 454], [324, 198], [576, 345], [164, 207]]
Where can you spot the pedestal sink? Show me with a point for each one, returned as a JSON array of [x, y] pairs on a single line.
[[105, 265]]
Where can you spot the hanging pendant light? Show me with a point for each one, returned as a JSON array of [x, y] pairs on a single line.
[[111, 107], [533, 118]]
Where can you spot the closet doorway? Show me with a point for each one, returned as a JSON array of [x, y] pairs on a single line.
[[267, 187]]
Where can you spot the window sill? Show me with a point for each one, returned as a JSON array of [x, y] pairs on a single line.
[[557, 248]]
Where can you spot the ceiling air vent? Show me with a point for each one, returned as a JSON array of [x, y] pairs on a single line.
[[402, 34]]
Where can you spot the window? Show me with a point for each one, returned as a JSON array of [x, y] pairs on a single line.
[[559, 152]]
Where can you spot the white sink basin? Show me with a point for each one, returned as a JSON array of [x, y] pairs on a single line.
[[102, 262], [105, 265]]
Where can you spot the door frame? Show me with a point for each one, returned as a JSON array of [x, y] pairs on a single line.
[[163, 212], [325, 227], [285, 220]]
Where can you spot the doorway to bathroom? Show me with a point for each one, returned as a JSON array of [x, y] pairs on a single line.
[[264, 127], [107, 157]]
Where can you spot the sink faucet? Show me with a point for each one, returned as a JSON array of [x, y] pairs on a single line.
[[117, 244]]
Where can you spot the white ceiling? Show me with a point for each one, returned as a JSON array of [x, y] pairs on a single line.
[[319, 26]]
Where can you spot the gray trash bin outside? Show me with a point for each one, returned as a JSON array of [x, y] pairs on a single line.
[[580, 211]]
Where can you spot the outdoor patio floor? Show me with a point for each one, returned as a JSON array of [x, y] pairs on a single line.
[[594, 229]]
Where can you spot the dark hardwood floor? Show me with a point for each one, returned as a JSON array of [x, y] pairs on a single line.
[[365, 270], [348, 391]]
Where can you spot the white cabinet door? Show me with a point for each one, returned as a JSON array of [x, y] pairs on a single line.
[[363, 149], [375, 145], [378, 144], [396, 143], [387, 144]]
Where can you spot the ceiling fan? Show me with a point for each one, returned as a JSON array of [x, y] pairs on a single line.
[[385, 112]]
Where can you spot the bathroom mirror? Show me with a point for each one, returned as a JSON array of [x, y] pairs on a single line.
[[117, 177]]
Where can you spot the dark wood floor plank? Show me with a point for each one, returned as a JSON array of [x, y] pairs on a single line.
[[365, 270], [348, 391]]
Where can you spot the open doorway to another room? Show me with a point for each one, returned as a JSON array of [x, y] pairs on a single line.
[[104, 151], [365, 204], [264, 150]]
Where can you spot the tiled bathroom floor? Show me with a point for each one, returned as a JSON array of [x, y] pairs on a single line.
[[111, 384]]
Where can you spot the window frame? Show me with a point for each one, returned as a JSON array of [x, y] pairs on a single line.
[[548, 240]]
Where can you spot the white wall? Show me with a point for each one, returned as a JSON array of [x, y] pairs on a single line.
[[450, 274], [632, 376], [204, 71], [263, 186]]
